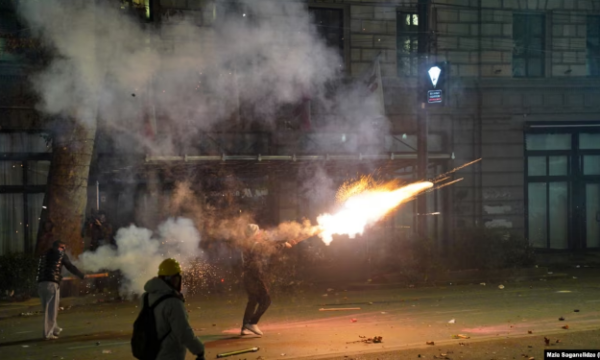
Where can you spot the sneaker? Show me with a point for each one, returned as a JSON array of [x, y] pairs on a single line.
[[246, 332], [51, 337], [57, 331], [254, 328]]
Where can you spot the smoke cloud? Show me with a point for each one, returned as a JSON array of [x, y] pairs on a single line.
[[183, 76], [139, 252], [186, 77]]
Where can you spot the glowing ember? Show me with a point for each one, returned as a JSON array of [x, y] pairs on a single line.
[[365, 209]]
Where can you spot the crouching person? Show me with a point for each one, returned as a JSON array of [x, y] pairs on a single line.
[[162, 330]]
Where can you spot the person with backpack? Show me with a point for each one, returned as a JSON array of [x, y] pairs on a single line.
[[162, 330]]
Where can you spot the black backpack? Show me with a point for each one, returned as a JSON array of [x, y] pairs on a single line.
[[145, 343]]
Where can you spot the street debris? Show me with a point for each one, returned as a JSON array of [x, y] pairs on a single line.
[[500, 287], [107, 351], [383, 312], [364, 339], [460, 336], [547, 341], [482, 284], [574, 277], [325, 295], [576, 310], [529, 332], [330, 290], [370, 303], [561, 319], [27, 314], [453, 321], [25, 346], [430, 343], [338, 309], [463, 344], [566, 327], [353, 320], [238, 352]]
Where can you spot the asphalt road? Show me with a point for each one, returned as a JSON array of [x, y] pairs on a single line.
[[499, 323]]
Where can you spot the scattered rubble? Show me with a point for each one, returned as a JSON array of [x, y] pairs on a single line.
[[566, 327], [460, 336], [500, 287], [453, 321], [430, 343], [364, 339], [561, 319]]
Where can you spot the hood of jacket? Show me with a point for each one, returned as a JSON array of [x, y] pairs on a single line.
[[157, 287]]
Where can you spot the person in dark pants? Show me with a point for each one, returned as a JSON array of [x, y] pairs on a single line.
[[254, 257], [48, 279]]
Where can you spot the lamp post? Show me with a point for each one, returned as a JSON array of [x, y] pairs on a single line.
[[422, 118]]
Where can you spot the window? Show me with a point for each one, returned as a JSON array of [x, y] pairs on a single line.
[[563, 183], [593, 45], [24, 166], [330, 26], [528, 50], [407, 43], [547, 189]]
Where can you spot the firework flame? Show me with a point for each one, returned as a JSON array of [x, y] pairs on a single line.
[[366, 208]]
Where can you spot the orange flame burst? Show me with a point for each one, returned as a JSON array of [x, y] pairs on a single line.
[[366, 207]]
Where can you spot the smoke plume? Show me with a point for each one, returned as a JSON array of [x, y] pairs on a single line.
[[139, 252]]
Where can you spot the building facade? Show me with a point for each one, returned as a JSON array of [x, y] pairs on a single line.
[[523, 78]]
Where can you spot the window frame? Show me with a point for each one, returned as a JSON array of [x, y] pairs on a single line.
[[528, 37], [25, 189], [592, 70], [574, 178], [345, 27], [413, 54]]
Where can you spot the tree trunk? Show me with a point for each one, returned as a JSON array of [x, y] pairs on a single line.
[[72, 151]]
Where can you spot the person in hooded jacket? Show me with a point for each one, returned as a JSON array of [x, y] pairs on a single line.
[[254, 256], [49, 279], [171, 315]]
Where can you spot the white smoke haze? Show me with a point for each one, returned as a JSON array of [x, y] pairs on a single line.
[[188, 79], [199, 75], [139, 252]]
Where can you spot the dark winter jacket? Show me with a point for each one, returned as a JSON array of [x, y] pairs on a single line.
[[172, 321], [50, 266], [256, 257]]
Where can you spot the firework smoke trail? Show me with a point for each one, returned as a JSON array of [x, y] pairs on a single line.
[[365, 209], [365, 202]]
